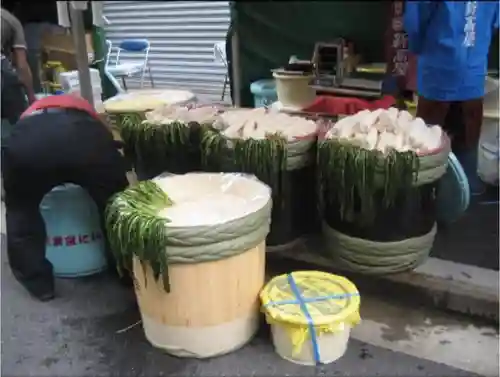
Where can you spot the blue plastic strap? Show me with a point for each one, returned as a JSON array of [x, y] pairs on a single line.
[[311, 299], [310, 324]]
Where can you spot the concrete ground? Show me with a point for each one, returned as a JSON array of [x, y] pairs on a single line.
[[473, 239], [92, 329]]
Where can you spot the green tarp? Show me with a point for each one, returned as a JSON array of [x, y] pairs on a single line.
[[270, 32]]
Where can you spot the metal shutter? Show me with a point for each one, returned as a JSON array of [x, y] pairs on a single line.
[[182, 35]]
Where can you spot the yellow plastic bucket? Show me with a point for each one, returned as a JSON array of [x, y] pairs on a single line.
[[311, 314]]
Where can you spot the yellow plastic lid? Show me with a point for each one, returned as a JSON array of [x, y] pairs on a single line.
[[326, 298]]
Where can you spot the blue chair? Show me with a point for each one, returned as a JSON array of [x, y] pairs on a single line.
[[75, 242], [130, 68], [264, 92]]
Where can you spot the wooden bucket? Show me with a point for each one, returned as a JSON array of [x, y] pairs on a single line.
[[212, 308]]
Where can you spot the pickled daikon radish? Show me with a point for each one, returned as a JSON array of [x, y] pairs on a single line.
[[387, 130], [260, 123]]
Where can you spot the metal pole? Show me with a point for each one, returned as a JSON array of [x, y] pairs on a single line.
[[235, 58], [82, 59]]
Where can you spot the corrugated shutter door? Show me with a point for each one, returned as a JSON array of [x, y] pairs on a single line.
[[182, 36]]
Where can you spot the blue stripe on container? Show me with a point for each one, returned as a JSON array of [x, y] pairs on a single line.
[[305, 311]]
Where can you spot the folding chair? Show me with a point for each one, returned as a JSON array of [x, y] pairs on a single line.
[[111, 78], [220, 56], [128, 68], [109, 49]]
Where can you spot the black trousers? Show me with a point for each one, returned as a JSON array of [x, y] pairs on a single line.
[[46, 150]]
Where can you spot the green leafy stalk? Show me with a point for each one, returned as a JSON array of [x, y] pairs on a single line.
[[134, 228], [352, 176], [264, 158], [214, 149], [159, 145]]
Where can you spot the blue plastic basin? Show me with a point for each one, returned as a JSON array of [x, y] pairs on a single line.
[[264, 92], [75, 244]]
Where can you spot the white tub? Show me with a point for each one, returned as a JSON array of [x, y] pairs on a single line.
[[331, 302], [488, 160], [294, 91], [332, 346]]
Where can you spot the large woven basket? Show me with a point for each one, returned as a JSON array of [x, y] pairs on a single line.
[[143, 101]]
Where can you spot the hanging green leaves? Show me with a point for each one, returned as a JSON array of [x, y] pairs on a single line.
[[264, 158], [172, 147], [134, 228], [352, 176]]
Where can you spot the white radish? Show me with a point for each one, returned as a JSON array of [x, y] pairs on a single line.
[[368, 119], [433, 139], [384, 141], [393, 114], [387, 129], [371, 139], [398, 142], [346, 129], [385, 122], [359, 139], [405, 115], [418, 133]]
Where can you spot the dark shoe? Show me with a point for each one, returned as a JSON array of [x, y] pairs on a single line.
[[41, 289], [41, 292], [46, 296]]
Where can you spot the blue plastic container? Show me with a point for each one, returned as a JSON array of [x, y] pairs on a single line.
[[454, 192], [264, 92], [75, 243]]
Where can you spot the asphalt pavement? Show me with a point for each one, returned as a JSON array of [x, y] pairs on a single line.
[[92, 329], [473, 239]]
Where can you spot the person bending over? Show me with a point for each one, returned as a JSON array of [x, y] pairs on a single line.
[[451, 40], [17, 82], [58, 140]]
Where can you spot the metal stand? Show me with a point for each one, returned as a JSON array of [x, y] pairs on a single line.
[[235, 48], [82, 59]]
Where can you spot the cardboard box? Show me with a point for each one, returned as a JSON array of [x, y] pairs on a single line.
[[57, 45]]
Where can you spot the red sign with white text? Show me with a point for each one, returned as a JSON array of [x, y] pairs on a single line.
[[400, 62], [73, 240]]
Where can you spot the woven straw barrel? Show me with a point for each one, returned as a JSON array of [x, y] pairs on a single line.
[[141, 102]]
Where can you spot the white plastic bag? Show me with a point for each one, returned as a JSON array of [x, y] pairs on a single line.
[[489, 151]]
